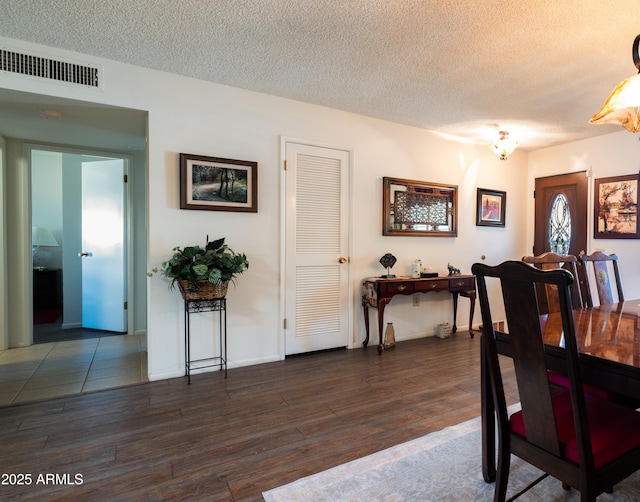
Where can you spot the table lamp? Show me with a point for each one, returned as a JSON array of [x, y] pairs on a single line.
[[42, 237]]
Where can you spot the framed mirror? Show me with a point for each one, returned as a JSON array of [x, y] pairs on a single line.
[[419, 208]]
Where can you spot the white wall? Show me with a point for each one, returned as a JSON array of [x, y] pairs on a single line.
[[46, 197], [191, 116], [4, 318], [614, 154], [72, 231], [17, 265]]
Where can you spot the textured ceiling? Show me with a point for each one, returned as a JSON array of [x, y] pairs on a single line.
[[537, 68]]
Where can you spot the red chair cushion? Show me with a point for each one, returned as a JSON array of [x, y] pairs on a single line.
[[614, 429], [563, 381]]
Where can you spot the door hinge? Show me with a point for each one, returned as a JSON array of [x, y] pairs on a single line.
[[126, 305], [534, 194], [285, 165], [284, 324], [126, 178]]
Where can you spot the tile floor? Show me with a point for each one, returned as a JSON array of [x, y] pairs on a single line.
[[57, 369]]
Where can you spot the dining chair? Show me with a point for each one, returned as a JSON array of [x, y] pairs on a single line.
[[548, 300], [586, 442], [600, 264], [547, 295]]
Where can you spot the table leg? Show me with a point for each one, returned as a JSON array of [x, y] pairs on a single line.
[[365, 309], [455, 310], [488, 421], [381, 305], [472, 299]]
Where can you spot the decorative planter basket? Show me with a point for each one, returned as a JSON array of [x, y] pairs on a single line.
[[202, 290]]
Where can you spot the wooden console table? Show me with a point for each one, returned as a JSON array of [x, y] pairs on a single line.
[[377, 292]]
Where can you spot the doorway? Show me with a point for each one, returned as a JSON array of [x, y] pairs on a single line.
[[316, 271], [79, 199], [561, 214]]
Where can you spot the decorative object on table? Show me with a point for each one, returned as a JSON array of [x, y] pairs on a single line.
[[42, 238], [616, 207], [217, 184], [389, 336], [491, 208], [622, 105], [443, 330], [419, 208], [388, 261], [453, 270], [428, 273], [204, 272], [416, 268]]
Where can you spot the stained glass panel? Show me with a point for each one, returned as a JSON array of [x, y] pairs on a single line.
[[560, 226]]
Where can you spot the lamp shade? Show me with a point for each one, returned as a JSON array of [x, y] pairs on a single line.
[[622, 107], [504, 146], [42, 237]]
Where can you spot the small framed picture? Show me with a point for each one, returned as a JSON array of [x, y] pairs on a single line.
[[616, 206], [491, 208], [216, 184]]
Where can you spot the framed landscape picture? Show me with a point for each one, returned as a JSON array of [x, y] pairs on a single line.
[[217, 184], [616, 206], [491, 208]]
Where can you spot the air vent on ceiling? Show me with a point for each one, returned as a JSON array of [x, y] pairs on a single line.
[[51, 69]]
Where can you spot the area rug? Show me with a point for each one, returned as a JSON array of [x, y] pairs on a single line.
[[46, 316], [442, 466]]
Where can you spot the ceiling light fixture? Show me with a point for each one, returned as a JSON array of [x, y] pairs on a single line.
[[622, 107], [504, 146]]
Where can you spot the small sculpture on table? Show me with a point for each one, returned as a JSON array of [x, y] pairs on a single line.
[[388, 261], [453, 270]]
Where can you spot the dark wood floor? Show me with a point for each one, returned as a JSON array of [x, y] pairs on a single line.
[[230, 440]]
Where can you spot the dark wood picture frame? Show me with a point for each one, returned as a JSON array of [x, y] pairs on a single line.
[[491, 208], [217, 184], [615, 207], [419, 208]]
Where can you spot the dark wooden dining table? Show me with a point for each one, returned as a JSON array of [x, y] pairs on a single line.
[[609, 342]]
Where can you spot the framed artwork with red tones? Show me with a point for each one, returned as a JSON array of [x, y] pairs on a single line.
[[491, 208]]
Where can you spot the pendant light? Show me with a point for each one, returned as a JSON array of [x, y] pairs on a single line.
[[623, 105]]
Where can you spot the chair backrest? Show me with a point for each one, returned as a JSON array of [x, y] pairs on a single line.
[[547, 293], [518, 282], [601, 277]]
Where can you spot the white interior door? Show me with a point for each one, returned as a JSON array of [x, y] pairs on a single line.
[[103, 239], [317, 300]]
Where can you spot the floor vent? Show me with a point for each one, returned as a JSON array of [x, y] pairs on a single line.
[[51, 69]]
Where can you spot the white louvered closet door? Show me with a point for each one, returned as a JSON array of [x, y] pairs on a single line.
[[316, 257]]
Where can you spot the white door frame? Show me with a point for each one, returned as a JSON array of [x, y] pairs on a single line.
[[129, 247], [4, 303], [283, 144]]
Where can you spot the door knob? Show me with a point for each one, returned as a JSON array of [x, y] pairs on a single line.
[[84, 254], [342, 259]]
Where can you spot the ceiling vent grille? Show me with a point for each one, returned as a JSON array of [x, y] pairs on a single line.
[[51, 69]]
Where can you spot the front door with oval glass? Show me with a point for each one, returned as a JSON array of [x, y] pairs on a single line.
[[561, 214]]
